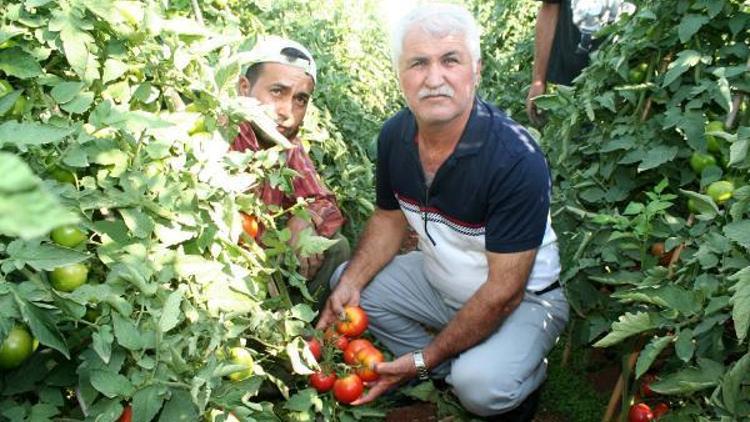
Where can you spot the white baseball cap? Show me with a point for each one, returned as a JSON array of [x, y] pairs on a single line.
[[274, 49]]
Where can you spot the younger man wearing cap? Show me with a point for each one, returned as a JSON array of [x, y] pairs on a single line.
[[282, 75]]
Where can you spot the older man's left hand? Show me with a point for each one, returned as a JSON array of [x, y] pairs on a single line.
[[391, 375]]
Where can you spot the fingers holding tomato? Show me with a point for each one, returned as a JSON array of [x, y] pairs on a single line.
[[348, 389], [353, 322]]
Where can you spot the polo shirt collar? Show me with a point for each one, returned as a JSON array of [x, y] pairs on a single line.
[[474, 135]]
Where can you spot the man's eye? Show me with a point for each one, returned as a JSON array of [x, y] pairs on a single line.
[[301, 101], [275, 91], [450, 60]]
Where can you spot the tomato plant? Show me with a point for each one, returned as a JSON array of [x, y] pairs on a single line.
[[348, 389], [16, 347], [353, 322]]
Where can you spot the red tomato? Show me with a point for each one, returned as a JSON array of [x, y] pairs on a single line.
[[336, 339], [249, 225], [348, 389], [660, 409], [355, 346], [127, 414], [366, 360], [315, 348], [354, 322], [646, 382], [322, 382], [640, 412]]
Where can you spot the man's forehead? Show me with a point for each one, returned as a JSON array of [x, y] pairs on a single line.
[[287, 75], [418, 42]]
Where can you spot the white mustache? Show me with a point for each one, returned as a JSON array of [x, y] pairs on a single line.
[[442, 91]]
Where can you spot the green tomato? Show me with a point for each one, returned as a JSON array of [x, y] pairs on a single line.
[[5, 88], [721, 191], [692, 206], [62, 175], [69, 277], [637, 74], [16, 348], [713, 143], [19, 107], [699, 161], [241, 356], [69, 236]]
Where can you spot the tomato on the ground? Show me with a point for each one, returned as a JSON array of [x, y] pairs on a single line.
[[354, 322], [69, 236], [348, 388], [16, 348], [322, 381], [69, 277]]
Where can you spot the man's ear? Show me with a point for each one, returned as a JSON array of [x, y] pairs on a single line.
[[243, 86]]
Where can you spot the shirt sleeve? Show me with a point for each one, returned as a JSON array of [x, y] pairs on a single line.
[[385, 198], [324, 211], [518, 208]]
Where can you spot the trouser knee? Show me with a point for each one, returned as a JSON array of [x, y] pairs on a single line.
[[483, 393]]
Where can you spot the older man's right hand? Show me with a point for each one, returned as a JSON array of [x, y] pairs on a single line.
[[342, 295], [537, 88]]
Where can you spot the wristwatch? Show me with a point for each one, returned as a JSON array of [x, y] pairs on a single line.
[[422, 372]]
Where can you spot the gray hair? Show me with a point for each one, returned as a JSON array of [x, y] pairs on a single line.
[[440, 20]]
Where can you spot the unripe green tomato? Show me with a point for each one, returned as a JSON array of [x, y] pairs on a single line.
[[16, 348], [241, 356], [699, 161], [721, 191], [69, 277], [637, 74], [19, 107], [713, 144], [692, 207], [62, 175], [5, 88], [69, 236]]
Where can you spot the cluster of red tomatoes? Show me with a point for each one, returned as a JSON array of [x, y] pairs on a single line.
[[359, 355], [642, 412]]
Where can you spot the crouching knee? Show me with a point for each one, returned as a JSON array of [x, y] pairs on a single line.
[[483, 394]]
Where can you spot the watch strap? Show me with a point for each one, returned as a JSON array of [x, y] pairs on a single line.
[[422, 372]]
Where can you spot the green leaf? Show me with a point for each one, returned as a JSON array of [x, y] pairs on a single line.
[[18, 63], [705, 205], [740, 302], [303, 312], [41, 324], [113, 69], [170, 316], [80, 103], [303, 401], [650, 353], [731, 387], [8, 101], [690, 25], [28, 133], [127, 334], [684, 346], [111, 384], [17, 176], [739, 232], [627, 325], [738, 151], [669, 296], [43, 256], [147, 402], [65, 91], [139, 223], [690, 380], [425, 391], [180, 407], [101, 341], [657, 156], [685, 60], [76, 41]]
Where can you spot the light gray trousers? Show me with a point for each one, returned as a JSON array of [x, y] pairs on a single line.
[[493, 377]]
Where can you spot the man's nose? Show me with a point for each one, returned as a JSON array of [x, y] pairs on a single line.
[[435, 76], [283, 109]]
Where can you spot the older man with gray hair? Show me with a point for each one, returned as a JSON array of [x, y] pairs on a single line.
[[475, 187]]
